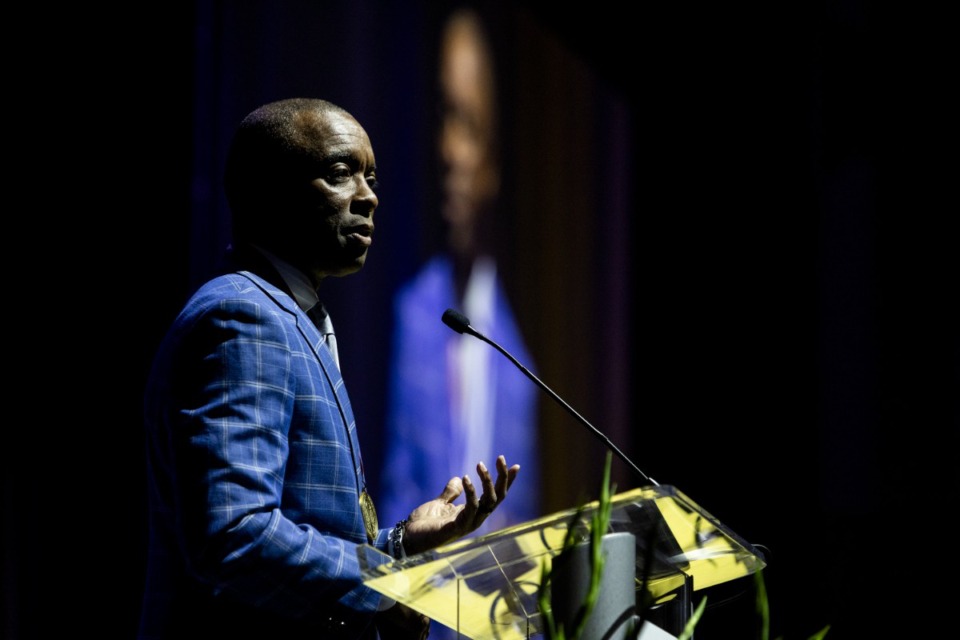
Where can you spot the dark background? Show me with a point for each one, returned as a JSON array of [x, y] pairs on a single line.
[[728, 238]]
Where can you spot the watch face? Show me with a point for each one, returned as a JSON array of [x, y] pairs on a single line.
[[369, 513]]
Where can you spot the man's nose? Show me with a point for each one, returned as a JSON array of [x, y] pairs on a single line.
[[367, 198]]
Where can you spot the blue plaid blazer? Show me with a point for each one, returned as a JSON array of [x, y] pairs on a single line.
[[255, 474]]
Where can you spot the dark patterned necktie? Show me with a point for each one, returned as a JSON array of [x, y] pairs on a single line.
[[322, 320]]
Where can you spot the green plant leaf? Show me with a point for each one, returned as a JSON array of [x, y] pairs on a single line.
[[763, 605], [687, 632], [819, 635], [599, 523]]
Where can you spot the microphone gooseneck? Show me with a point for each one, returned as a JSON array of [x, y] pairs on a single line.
[[461, 324]]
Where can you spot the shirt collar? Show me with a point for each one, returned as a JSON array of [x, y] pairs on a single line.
[[295, 279]]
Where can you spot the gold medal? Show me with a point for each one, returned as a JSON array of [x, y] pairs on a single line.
[[369, 513]]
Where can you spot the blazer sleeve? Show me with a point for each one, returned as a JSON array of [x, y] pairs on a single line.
[[234, 396]]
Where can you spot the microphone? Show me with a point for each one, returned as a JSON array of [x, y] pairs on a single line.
[[461, 324]]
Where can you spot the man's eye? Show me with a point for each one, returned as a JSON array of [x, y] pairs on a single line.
[[373, 183], [338, 173]]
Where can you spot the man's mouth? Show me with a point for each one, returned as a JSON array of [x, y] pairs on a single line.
[[361, 238]]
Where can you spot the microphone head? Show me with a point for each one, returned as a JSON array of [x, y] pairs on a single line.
[[456, 320]]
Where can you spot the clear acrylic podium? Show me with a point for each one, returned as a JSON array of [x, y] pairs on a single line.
[[487, 586]]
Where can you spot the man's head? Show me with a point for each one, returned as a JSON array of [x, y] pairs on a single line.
[[468, 135], [300, 179]]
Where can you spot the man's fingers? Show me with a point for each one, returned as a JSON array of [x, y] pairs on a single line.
[[505, 476], [486, 479], [514, 472], [453, 490], [470, 491]]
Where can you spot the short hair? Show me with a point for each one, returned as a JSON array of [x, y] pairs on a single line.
[[271, 150]]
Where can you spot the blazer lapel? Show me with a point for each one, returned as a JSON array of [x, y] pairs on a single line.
[[312, 337]]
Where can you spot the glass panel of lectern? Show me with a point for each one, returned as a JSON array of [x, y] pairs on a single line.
[[487, 586]]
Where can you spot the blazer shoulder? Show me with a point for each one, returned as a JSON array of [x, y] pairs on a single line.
[[239, 285]]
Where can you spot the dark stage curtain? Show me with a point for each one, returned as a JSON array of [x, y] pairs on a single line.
[[730, 249]]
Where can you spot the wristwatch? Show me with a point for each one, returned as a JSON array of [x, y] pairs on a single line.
[[396, 540]]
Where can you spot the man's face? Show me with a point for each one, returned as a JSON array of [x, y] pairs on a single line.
[[336, 204], [470, 176]]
